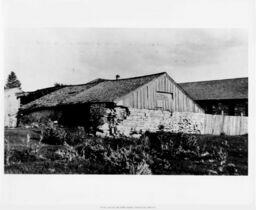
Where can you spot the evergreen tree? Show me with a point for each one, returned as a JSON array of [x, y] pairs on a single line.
[[12, 81]]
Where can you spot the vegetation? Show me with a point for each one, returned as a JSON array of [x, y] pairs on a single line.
[[95, 118], [55, 150], [56, 84], [12, 81]]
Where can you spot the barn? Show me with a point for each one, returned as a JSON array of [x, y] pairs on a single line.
[[139, 104], [227, 96], [152, 92]]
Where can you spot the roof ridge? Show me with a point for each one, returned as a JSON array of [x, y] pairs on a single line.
[[96, 80], [213, 80], [157, 74], [112, 80], [90, 82], [160, 73]]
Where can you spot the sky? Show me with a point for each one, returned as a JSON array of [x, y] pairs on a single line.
[[41, 57]]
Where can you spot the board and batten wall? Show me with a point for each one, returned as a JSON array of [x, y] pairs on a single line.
[[161, 93]]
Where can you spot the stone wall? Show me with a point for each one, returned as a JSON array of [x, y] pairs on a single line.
[[137, 121], [123, 121], [11, 106]]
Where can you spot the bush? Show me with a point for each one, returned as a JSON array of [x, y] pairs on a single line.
[[114, 158], [55, 134], [154, 153], [24, 155], [160, 152], [95, 118]]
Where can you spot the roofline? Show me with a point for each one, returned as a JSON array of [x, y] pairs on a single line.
[[160, 74], [220, 99], [62, 86], [113, 80], [5, 88], [28, 92], [121, 97], [213, 80], [184, 92], [90, 82], [103, 80], [33, 109]]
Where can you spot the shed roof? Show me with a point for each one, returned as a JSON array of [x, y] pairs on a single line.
[[217, 89], [99, 90]]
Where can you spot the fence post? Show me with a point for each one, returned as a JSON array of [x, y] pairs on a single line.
[[222, 123], [240, 124]]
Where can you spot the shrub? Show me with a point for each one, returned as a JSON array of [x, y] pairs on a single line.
[[154, 153], [55, 134], [75, 136], [25, 155], [95, 118]]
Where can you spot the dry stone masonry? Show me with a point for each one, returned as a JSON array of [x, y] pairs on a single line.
[[138, 121]]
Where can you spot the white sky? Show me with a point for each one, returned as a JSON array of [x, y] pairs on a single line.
[[42, 56]]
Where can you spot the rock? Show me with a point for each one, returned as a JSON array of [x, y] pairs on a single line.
[[205, 154], [137, 136], [51, 170]]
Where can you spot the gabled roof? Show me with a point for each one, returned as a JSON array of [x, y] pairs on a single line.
[[27, 97], [57, 97], [99, 90], [217, 89], [110, 90]]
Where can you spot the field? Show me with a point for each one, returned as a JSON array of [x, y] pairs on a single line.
[[153, 153]]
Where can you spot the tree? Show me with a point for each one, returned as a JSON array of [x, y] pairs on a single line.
[[12, 81]]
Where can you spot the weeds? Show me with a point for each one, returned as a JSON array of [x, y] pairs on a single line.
[[153, 153]]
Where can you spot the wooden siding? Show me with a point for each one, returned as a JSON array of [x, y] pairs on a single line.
[[162, 88], [230, 125]]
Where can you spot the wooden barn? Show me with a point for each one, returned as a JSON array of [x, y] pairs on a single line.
[[227, 96], [156, 91]]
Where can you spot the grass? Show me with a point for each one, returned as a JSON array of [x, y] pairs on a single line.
[[156, 153], [237, 150]]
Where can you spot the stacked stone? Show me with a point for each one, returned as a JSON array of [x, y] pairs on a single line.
[[141, 120], [185, 122]]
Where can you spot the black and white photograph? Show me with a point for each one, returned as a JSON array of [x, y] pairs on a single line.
[[128, 104], [126, 101]]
